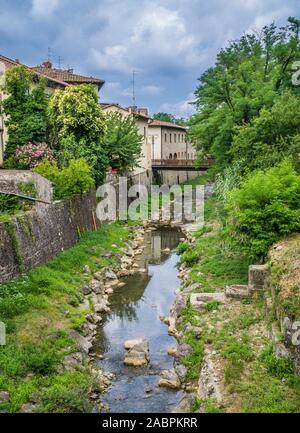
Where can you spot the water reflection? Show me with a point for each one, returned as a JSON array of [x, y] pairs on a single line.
[[136, 308]]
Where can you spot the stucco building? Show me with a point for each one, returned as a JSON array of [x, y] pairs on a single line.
[[169, 141]]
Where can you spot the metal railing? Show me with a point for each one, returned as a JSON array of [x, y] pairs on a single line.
[[180, 163]]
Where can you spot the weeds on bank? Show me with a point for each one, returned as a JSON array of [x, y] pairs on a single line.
[[39, 309]]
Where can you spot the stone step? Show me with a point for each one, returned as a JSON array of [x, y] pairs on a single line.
[[199, 300], [237, 291]]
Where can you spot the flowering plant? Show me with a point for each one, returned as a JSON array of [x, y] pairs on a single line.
[[30, 155]]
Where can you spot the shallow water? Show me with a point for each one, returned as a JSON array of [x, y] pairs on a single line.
[[136, 309]]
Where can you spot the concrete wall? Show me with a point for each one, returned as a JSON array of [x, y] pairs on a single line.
[[36, 237], [10, 181]]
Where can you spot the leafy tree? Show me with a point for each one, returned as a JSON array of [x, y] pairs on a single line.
[[78, 127], [247, 79], [122, 141], [271, 136], [25, 108], [165, 117]]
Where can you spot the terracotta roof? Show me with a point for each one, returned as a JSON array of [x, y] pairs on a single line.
[[166, 124], [9, 63], [67, 76]]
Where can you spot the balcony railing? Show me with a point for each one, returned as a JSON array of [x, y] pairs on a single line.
[[180, 163]]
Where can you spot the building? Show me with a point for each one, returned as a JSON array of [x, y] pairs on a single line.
[[171, 148], [55, 79], [169, 141], [142, 121], [51, 84], [67, 76]]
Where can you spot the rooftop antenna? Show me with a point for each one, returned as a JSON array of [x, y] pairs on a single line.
[[133, 88]]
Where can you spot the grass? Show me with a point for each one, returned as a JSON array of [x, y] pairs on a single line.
[[39, 309], [254, 379]]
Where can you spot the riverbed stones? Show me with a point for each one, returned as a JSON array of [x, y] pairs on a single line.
[[181, 371], [4, 396], [209, 382], [110, 275], [137, 352], [86, 290], [186, 404], [82, 342], [169, 379], [200, 300], [237, 291], [172, 351], [72, 360], [27, 408]]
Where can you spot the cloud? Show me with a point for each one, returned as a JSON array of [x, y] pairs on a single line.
[[44, 8], [151, 90], [180, 109], [169, 42], [159, 39]]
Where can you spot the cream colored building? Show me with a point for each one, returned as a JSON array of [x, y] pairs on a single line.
[[142, 121], [169, 141]]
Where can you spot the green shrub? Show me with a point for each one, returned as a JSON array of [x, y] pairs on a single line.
[[182, 247], [265, 208], [282, 368], [68, 181], [212, 305], [68, 393], [190, 257]]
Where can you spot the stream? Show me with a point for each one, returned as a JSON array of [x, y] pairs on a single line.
[[135, 312]]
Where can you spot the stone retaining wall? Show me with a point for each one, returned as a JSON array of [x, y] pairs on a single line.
[[37, 236]]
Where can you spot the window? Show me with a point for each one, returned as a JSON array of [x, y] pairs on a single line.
[[145, 132], [170, 138], [175, 138], [165, 138]]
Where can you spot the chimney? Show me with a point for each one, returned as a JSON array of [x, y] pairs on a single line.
[[47, 65]]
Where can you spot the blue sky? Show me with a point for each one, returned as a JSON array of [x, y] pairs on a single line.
[[168, 42]]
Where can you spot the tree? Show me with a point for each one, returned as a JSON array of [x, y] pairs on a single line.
[[78, 127], [249, 76], [25, 108], [165, 117], [122, 141]]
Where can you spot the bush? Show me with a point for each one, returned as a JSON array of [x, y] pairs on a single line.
[[182, 247], [74, 179], [265, 208], [31, 155], [282, 368], [190, 257]]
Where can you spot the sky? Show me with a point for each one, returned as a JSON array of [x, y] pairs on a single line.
[[169, 43]]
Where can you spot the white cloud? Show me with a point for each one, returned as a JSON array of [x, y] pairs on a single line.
[[159, 38], [44, 8], [151, 90], [180, 109]]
